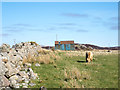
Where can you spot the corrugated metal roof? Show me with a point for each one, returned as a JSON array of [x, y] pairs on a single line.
[[56, 42], [66, 42]]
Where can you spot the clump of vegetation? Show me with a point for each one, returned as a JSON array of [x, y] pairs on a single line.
[[29, 59], [73, 73], [73, 77], [43, 57], [43, 51]]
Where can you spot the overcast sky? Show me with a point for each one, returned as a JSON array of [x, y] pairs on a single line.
[[84, 22]]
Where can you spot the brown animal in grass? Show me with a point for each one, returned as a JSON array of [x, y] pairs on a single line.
[[89, 56]]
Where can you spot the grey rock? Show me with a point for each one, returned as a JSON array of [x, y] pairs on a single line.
[[90, 48], [23, 74], [83, 46], [26, 65], [15, 59], [32, 74], [26, 80], [4, 69], [8, 65], [43, 88], [18, 67], [14, 77], [5, 48], [5, 82], [19, 80], [37, 64], [20, 63], [17, 46], [6, 88], [25, 85], [28, 73], [13, 81], [12, 72], [4, 59], [32, 84]]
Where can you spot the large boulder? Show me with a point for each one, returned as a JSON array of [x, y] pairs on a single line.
[[23, 74], [32, 74], [13, 81], [12, 72], [6, 82]]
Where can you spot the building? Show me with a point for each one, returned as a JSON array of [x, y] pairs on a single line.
[[64, 45]]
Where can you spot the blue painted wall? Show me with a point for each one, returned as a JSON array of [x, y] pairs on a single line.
[[64, 46]]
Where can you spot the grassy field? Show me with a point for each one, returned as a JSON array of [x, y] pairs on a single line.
[[73, 72]]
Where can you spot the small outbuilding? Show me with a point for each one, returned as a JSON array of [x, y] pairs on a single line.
[[64, 45]]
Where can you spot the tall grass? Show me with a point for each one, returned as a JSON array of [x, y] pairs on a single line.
[[73, 77], [43, 57]]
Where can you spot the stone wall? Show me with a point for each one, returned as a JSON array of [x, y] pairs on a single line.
[[13, 73]]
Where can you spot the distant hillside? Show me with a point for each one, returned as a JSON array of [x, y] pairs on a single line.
[[89, 46], [86, 47]]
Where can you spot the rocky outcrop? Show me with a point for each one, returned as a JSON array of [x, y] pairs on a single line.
[[13, 73], [91, 47], [83, 47]]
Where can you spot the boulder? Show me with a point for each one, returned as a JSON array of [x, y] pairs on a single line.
[[5, 48], [25, 85], [26, 65], [32, 74], [15, 59], [6, 82], [13, 81], [5, 59], [43, 88], [23, 74], [12, 72], [8, 66], [19, 80], [32, 84], [4, 69], [37, 64]]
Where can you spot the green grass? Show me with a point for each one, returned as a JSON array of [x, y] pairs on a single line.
[[101, 73]]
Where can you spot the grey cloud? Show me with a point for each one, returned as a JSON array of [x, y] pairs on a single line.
[[114, 18], [114, 27], [17, 27], [9, 27], [51, 28], [4, 35], [76, 15], [35, 29], [65, 27], [97, 18], [23, 25], [14, 30], [81, 30], [68, 24], [111, 25]]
